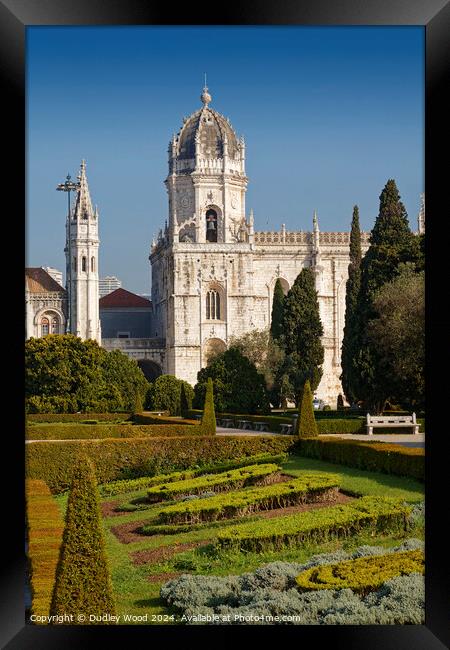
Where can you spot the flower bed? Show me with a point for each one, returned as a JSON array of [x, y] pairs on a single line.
[[378, 513], [131, 485], [306, 489], [212, 482], [362, 575]]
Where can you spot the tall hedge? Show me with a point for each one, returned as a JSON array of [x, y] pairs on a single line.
[[83, 584], [306, 422], [209, 417]]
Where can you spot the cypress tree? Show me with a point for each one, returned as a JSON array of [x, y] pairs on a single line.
[[303, 330], [276, 328], [82, 583], [209, 417], [306, 426], [184, 402], [391, 244], [352, 288]]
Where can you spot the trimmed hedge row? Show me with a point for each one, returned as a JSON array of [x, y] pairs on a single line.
[[78, 417], [102, 431], [152, 418], [371, 456], [230, 480], [378, 513], [132, 485], [363, 574], [306, 489], [136, 457], [44, 531]]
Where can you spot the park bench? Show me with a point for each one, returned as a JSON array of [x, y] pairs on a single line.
[[286, 428], [380, 421], [261, 426], [244, 424], [227, 423]]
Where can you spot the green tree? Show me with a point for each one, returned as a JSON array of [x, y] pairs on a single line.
[[165, 394], [391, 244], [124, 373], [276, 326], [306, 425], [349, 342], [398, 332], [340, 402], [302, 332], [238, 387], [208, 423], [82, 582], [266, 354], [186, 395]]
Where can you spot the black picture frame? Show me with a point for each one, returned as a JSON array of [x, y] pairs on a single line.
[[434, 15]]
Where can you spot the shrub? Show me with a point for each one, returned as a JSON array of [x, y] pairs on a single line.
[[306, 426], [381, 514], [185, 402], [83, 584], [132, 458], [372, 456], [77, 417], [131, 485], [306, 489], [103, 431], [44, 535], [271, 590], [232, 479], [364, 574], [209, 417]]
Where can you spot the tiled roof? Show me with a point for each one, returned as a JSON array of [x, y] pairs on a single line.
[[37, 280], [123, 298]]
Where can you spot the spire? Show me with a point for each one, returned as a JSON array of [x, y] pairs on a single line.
[[421, 217], [205, 96], [83, 205], [315, 222]]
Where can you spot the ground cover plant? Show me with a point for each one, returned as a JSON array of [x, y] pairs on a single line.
[[362, 575], [272, 591], [240, 503], [214, 482]]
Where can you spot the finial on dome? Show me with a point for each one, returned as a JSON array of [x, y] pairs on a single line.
[[205, 96]]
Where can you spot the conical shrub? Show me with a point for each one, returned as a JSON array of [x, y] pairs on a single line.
[[306, 426], [209, 415], [83, 583]]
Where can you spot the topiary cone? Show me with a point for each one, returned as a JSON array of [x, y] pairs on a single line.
[[306, 426], [209, 416]]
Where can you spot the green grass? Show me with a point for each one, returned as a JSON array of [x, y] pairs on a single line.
[[136, 595], [359, 482]]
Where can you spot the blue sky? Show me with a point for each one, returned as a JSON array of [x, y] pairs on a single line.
[[328, 115]]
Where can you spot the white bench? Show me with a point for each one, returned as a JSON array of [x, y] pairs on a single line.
[[376, 421]]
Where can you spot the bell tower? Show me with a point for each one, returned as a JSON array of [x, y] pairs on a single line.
[[206, 183], [82, 246]]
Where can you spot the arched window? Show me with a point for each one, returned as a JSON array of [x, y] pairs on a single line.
[[83, 264], [44, 326], [92, 263], [211, 225], [212, 305], [55, 325], [74, 263]]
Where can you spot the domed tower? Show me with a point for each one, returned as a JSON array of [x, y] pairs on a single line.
[[206, 181]]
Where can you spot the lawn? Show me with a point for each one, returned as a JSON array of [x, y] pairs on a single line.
[[137, 586]]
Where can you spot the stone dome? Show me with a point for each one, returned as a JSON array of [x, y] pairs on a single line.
[[211, 129]]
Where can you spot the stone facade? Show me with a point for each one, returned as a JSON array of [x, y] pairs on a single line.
[[213, 276], [45, 304], [82, 246]]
